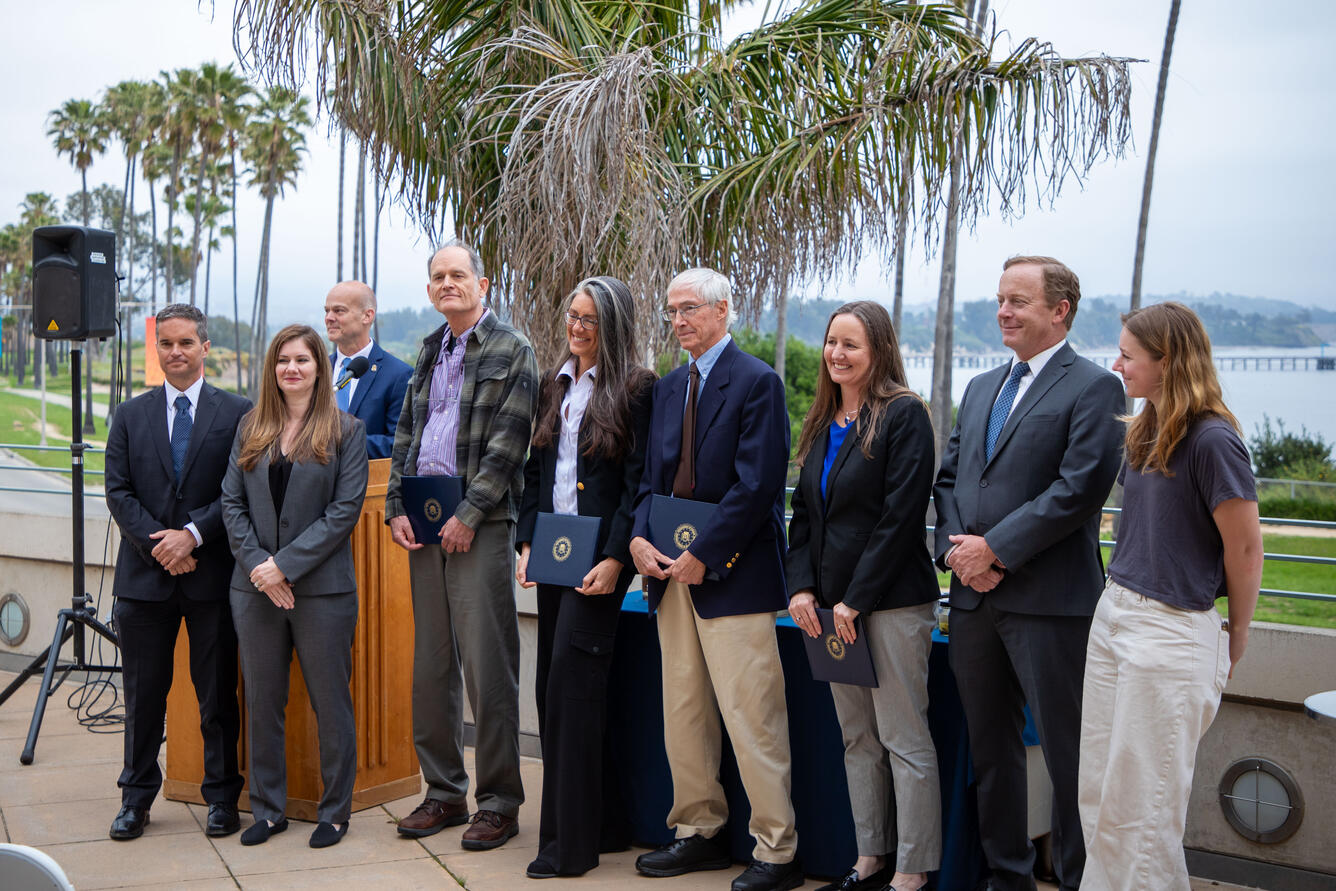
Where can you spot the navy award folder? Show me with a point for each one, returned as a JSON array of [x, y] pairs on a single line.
[[430, 501], [674, 523], [563, 549], [835, 661]]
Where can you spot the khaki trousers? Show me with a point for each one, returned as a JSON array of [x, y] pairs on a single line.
[[1154, 675], [729, 666]]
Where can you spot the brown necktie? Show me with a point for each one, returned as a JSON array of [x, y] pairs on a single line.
[[685, 479]]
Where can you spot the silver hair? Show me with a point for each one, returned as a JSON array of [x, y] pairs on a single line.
[[708, 285], [475, 258]]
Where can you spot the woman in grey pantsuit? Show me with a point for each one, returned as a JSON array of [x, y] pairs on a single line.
[[856, 546], [291, 498]]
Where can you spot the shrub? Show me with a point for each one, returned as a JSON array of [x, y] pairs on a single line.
[[1297, 508], [1279, 453]]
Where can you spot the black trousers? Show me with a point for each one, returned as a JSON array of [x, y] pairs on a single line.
[[582, 810], [147, 630], [1002, 661]]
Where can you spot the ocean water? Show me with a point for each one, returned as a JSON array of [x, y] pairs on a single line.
[[1298, 398]]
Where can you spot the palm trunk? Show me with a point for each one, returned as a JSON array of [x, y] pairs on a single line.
[[375, 253], [901, 232], [236, 310], [343, 152], [155, 261], [130, 289], [943, 346], [1144, 219], [260, 307], [89, 426], [199, 212], [361, 205], [171, 216], [781, 331]]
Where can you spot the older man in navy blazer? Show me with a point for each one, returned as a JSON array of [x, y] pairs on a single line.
[[377, 397], [1034, 453], [166, 457], [716, 602]]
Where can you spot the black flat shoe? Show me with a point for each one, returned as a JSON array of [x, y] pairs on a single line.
[[129, 823], [327, 835], [223, 821], [540, 869], [851, 881], [260, 831]]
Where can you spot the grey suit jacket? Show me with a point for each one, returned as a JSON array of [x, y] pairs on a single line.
[[1037, 501], [310, 540]]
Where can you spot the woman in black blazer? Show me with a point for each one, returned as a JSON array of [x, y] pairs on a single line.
[[292, 495], [857, 547], [587, 456]]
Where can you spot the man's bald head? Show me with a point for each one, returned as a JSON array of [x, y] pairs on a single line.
[[350, 309]]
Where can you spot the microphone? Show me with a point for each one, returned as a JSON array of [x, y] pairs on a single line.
[[356, 368]]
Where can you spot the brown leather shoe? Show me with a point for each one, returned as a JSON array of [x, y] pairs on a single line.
[[431, 816], [489, 830]]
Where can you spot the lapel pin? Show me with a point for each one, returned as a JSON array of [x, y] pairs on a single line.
[[373, 368]]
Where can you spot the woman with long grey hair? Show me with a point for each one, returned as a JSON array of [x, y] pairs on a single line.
[[587, 455]]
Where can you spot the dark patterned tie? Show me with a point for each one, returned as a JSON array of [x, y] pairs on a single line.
[[1002, 407], [180, 434], [684, 481], [341, 394]]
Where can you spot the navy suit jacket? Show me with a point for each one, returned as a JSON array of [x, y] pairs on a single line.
[[742, 456], [1037, 501], [379, 398], [144, 497]]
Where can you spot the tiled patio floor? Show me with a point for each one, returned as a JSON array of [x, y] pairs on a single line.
[[64, 802]]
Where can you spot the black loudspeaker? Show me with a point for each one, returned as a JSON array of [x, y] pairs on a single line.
[[74, 282]]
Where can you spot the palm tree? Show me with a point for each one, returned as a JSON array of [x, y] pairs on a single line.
[[274, 143], [1144, 219], [564, 137], [177, 132], [219, 95]]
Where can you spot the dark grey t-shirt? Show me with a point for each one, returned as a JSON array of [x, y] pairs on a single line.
[[1168, 545]]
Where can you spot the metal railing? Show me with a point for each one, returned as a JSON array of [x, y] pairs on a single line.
[[6, 468]]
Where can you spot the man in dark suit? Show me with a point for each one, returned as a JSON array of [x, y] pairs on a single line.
[[377, 397], [166, 457], [1033, 455], [719, 432]]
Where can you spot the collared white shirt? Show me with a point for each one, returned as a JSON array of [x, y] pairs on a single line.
[[192, 393], [564, 498], [351, 386], [705, 364], [1036, 363]]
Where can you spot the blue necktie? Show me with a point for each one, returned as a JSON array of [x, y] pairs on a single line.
[[1002, 407], [341, 394], [180, 434]]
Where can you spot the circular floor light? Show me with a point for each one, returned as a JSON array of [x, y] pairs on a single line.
[[1261, 800], [13, 620]]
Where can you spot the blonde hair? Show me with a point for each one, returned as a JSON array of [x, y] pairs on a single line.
[[1189, 388], [321, 429]]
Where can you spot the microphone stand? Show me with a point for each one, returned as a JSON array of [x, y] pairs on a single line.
[[70, 623]]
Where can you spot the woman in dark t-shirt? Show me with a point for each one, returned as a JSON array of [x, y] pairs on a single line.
[[1159, 654]]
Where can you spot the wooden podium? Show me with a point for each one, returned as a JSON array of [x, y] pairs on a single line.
[[387, 765]]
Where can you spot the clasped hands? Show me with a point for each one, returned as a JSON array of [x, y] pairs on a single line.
[[174, 550], [974, 562], [651, 562], [270, 580], [456, 538], [600, 579]]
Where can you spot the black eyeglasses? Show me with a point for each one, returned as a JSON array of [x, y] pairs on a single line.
[[589, 323]]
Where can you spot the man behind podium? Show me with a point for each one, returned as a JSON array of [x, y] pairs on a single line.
[[1032, 457], [469, 413], [166, 456], [719, 432], [377, 397]]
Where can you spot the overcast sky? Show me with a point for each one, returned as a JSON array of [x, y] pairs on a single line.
[[1244, 184]]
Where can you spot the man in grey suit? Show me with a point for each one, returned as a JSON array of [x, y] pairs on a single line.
[[1030, 462]]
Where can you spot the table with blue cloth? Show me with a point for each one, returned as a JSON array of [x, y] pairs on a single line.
[[820, 794]]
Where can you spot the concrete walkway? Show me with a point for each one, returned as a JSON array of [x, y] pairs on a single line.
[[64, 802]]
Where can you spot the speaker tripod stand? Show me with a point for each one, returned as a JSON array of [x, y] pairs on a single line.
[[76, 622]]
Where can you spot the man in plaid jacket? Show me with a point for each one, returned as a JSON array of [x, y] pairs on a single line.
[[468, 412]]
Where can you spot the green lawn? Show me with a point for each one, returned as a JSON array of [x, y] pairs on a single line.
[[20, 423]]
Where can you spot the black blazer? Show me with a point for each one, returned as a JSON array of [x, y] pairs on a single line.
[[864, 544], [143, 496], [1037, 501], [604, 488]]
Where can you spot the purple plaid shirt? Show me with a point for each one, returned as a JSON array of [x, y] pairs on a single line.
[[437, 455]]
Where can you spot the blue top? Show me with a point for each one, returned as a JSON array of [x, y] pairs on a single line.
[[837, 435]]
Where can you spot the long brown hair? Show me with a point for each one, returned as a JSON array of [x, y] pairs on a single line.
[[321, 430], [1189, 388], [886, 380], [619, 380]]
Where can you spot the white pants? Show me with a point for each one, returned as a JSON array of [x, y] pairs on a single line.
[[1153, 678]]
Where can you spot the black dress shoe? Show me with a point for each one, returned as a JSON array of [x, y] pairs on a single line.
[[540, 869], [851, 881], [129, 823], [327, 835], [223, 820], [682, 856], [769, 877], [260, 830]]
